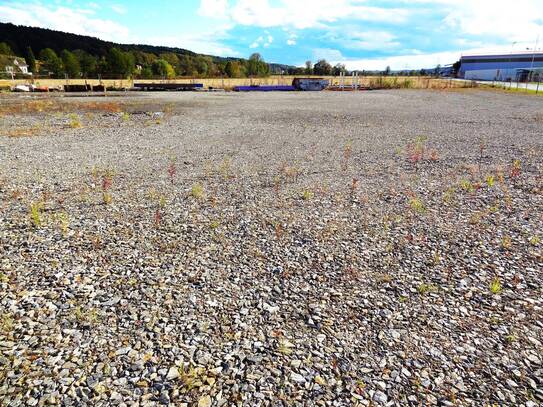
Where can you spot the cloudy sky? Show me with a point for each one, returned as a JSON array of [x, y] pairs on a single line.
[[363, 34]]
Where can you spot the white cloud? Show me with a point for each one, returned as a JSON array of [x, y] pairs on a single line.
[[262, 41], [370, 40], [213, 8], [73, 20], [299, 14], [291, 42], [118, 8]]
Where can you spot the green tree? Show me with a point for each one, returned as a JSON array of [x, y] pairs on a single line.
[[71, 64], [162, 68], [186, 65], [87, 63], [201, 65], [30, 60], [256, 66], [308, 68], [322, 67], [50, 62], [339, 69], [5, 49], [172, 59], [120, 63], [233, 69], [387, 71]]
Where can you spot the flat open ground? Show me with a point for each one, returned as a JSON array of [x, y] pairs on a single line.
[[379, 248]]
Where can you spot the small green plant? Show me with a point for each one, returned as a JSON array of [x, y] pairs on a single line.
[[534, 240], [214, 224], [285, 347], [125, 116], [490, 181], [466, 185], [36, 209], [86, 315], [496, 286], [511, 339], [64, 222], [107, 181], [75, 121], [417, 205], [516, 169], [307, 195], [197, 191], [506, 242], [225, 168]]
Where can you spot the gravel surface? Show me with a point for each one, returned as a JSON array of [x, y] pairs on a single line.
[[331, 249]]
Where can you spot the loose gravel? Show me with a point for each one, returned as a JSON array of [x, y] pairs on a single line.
[[330, 249]]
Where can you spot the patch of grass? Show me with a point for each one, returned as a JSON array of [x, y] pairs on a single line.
[[466, 185], [535, 240], [214, 224], [125, 116]]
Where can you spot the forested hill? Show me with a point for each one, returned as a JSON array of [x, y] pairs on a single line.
[[63, 53], [19, 37]]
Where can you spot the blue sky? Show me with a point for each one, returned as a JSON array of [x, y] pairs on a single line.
[[363, 34]]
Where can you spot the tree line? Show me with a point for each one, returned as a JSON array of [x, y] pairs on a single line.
[[137, 64]]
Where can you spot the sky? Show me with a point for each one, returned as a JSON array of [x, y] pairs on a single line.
[[362, 34]]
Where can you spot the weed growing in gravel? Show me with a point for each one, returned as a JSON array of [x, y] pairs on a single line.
[[307, 195], [225, 168], [36, 209], [417, 205], [506, 242], [194, 377], [516, 169], [75, 121], [534, 240], [214, 224], [415, 150], [490, 181], [125, 116], [63, 221], [6, 323], [86, 315], [466, 185], [107, 182], [197, 191], [285, 347], [496, 286], [427, 288]]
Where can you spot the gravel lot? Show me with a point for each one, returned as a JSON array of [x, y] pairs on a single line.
[[330, 249]]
